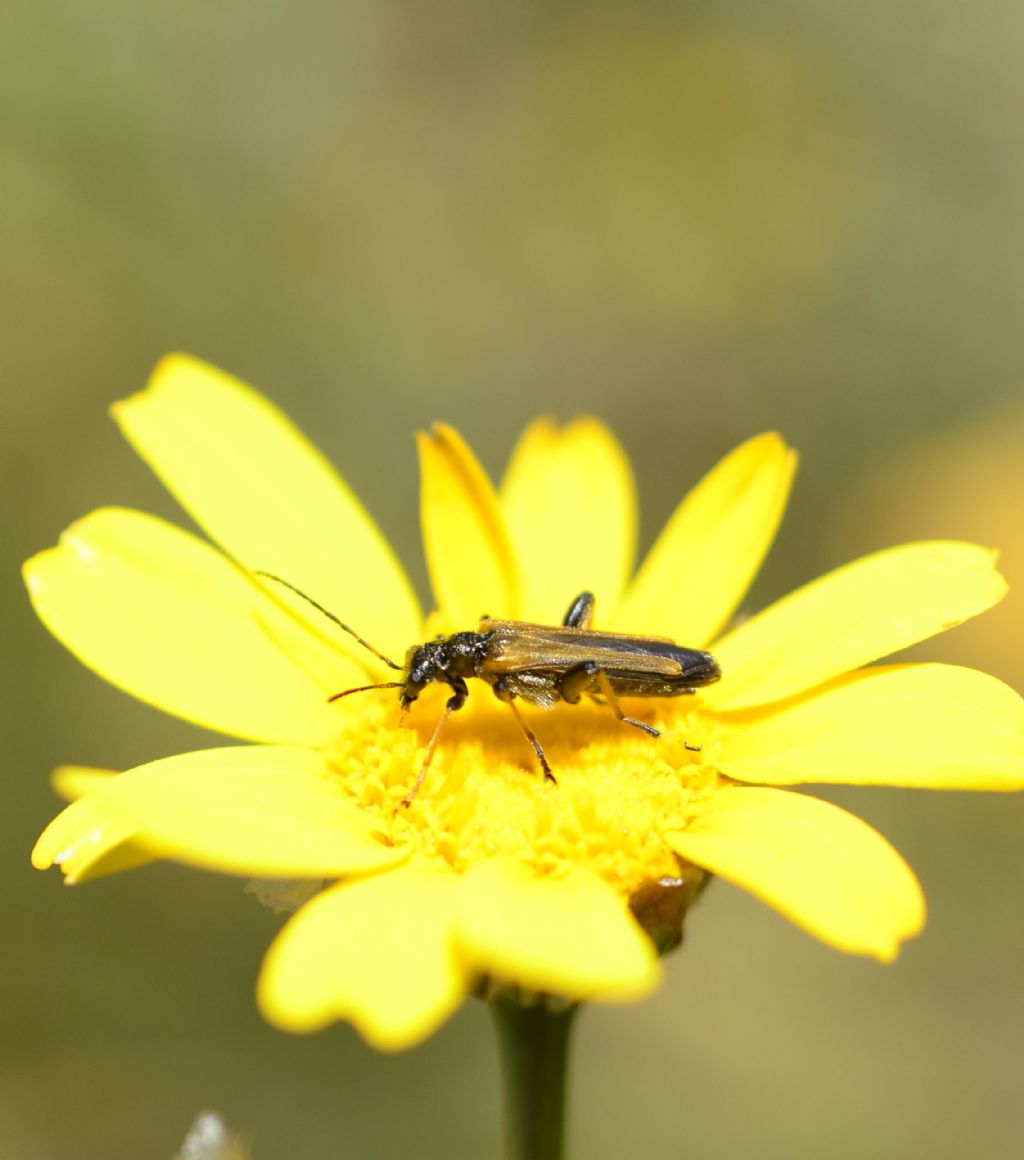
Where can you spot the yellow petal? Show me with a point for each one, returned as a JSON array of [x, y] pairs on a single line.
[[377, 952], [570, 936], [469, 557], [258, 487], [258, 811], [165, 617], [926, 726], [83, 840], [72, 782], [704, 561], [856, 614], [824, 869], [570, 506]]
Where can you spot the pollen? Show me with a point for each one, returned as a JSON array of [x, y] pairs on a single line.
[[617, 790]]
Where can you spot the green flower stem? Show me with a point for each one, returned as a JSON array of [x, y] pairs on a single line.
[[535, 1052]]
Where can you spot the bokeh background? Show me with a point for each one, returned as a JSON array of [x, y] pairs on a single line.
[[694, 220]]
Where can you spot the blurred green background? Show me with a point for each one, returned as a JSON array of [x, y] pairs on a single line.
[[696, 221]]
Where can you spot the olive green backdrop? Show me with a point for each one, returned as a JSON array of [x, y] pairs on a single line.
[[694, 220]]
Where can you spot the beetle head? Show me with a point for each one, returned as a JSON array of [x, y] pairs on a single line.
[[424, 664]]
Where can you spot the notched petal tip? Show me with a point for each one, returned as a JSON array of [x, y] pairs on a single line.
[[571, 936], [774, 438], [72, 782], [31, 569], [541, 428], [445, 432], [258, 487], [470, 559], [569, 501], [161, 614], [824, 869], [169, 367], [704, 560], [84, 840], [932, 726], [376, 953], [1000, 585], [253, 811], [169, 383], [870, 608], [174, 362]]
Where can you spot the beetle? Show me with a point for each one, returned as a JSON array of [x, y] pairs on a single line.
[[540, 664]]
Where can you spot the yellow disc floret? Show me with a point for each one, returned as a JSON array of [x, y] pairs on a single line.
[[617, 789]]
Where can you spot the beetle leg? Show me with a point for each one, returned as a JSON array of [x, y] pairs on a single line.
[[605, 685], [580, 613], [455, 701], [575, 680], [503, 694]]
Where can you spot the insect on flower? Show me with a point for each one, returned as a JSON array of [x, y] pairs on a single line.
[[544, 890], [542, 664]]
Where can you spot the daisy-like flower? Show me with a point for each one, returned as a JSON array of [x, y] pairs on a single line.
[[493, 878]]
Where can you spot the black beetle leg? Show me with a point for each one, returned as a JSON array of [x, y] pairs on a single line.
[[580, 613], [576, 680]]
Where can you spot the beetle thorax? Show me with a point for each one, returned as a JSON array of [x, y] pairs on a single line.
[[455, 656]]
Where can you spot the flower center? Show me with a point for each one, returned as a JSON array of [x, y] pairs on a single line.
[[618, 789]]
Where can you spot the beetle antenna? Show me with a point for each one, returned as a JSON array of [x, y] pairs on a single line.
[[366, 689], [342, 625]]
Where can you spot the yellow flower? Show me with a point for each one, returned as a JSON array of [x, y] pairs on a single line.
[[494, 877]]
